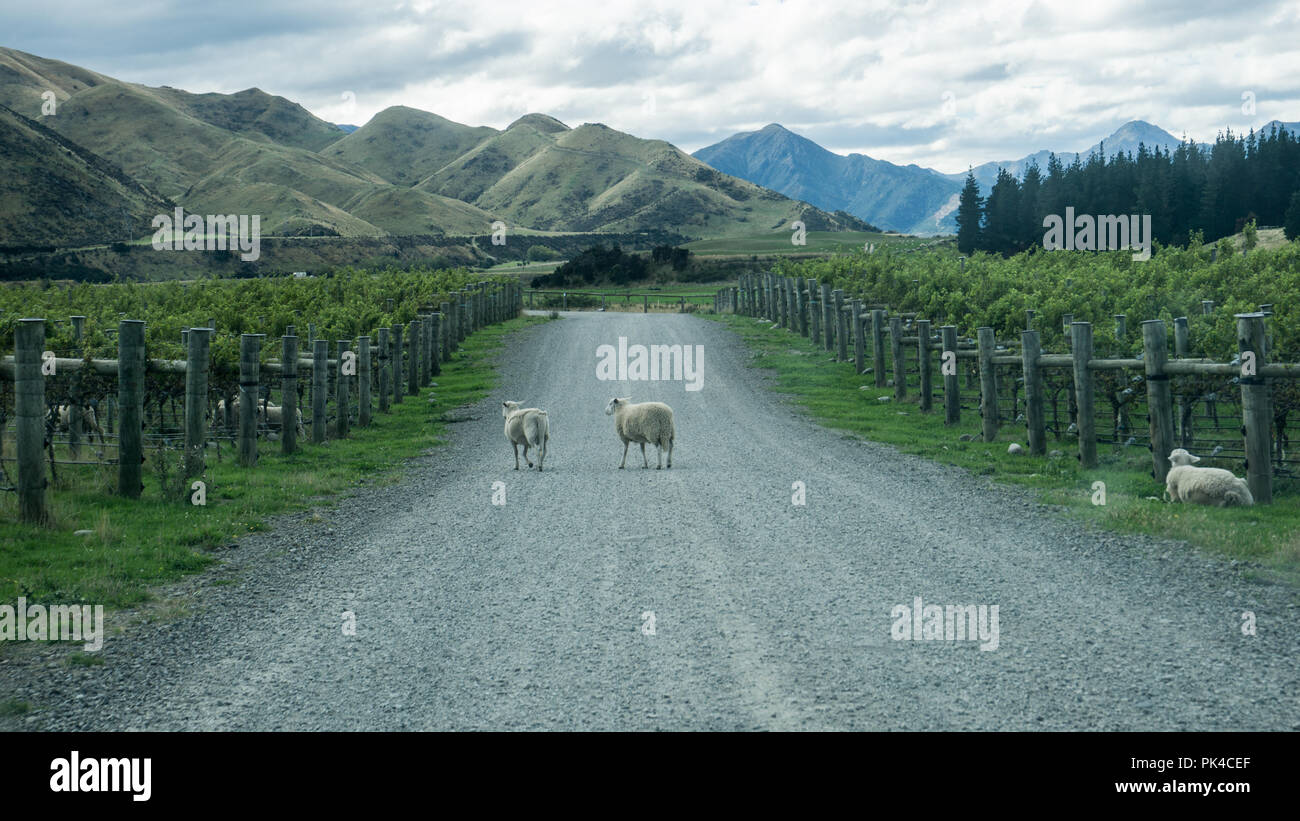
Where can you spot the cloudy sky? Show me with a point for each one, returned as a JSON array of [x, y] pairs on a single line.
[[940, 84]]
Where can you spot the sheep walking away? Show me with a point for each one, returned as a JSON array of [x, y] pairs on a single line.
[[644, 423], [529, 427]]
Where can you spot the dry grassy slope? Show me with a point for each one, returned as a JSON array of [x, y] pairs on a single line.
[[54, 192], [471, 174], [404, 145]]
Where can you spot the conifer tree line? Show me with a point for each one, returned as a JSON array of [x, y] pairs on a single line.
[[1214, 189]]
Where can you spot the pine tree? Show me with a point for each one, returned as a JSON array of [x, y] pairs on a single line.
[[970, 214]]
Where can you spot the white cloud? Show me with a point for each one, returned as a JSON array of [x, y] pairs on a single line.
[[856, 77]]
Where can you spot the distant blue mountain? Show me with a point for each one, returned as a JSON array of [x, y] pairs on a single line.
[[910, 199], [347, 129]]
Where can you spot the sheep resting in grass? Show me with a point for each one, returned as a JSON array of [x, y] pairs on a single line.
[[529, 427], [643, 423], [1204, 486]]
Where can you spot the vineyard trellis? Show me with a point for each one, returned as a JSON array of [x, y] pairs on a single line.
[[1166, 390], [219, 403]]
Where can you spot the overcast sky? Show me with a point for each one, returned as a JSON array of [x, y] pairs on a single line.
[[940, 84]]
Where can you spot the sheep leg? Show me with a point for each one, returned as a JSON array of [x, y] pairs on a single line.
[[645, 463], [624, 462], [516, 447], [659, 456], [670, 454], [526, 459]]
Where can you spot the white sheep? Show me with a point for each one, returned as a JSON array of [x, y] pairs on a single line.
[[644, 423], [1204, 486], [529, 427], [273, 415], [89, 421]]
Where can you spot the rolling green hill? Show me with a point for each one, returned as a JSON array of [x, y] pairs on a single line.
[[54, 192], [406, 172]]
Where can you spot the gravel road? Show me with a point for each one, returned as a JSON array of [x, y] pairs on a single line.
[[766, 615]]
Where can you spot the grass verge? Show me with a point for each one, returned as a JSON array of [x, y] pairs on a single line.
[[832, 394], [136, 544]]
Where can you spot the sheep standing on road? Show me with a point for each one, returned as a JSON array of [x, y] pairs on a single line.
[[529, 427], [1204, 486], [644, 423]]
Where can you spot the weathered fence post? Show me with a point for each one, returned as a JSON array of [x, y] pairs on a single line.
[[815, 316], [828, 316], [196, 400], [413, 358], [385, 371], [951, 382], [423, 375], [320, 367], [923, 363], [445, 327], [1081, 350], [363, 381], [1207, 306], [1121, 327], [899, 358], [289, 393], [1160, 410], [841, 329], [343, 387], [1255, 411], [398, 372], [1180, 336], [130, 404], [988, 383], [801, 305], [878, 346], [29, 407], [435, 333], [1035, 410], [859, 347], [249, 377]]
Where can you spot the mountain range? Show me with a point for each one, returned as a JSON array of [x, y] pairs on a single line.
[[910, 199], [131, 150]]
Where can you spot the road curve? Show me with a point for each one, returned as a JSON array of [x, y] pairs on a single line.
[[766, 614]]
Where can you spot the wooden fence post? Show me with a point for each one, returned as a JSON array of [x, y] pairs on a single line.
[[130, 404], [423, 375], [343, 387], [29, 407], [435, 334], [249, 377], [320, 367], [988, 383], [878, 346], [1081, 350], [445, 330], [1121, 327], [1035, 410], [815, 316], [951, 382], [801, 305], [859, 347], [398, 371], [898, 356], [1160, 410], [385, 371], [413, 358], [363, 381], [923, 362], [828, 317], [1255, 411], [289, 393], [841, 329], [196, 400]]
